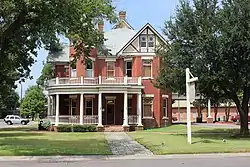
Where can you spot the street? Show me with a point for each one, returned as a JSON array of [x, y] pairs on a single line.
[[4, 125], [176, 162]]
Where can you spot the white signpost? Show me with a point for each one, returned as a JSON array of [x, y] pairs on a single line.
[[190, 94]]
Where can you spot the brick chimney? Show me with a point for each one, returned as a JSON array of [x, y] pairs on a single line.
[[122, 15], [101, 25]]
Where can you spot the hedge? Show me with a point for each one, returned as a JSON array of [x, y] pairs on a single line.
[[76, 128]]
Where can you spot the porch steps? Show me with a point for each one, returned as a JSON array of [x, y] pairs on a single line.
[[113, 128]]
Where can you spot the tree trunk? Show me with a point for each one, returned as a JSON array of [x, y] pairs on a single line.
[[227, 113], [215, 112]]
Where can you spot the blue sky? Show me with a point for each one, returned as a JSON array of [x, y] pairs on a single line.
[[139, 12]]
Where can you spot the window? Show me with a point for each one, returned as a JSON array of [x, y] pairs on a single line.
[[129, 106], [147, 107], [143, 41], [89, 70], [66, 71], [151, 41], [110, 69], [147, 68], [17, 117], [165, 108], [11, 117], [73, 70], [129, 68], [73, 106], [89, 106]]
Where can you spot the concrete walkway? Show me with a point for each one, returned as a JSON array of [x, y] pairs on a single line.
[[121, 144]]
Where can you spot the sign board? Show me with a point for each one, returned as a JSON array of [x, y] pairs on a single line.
[[192, 92]]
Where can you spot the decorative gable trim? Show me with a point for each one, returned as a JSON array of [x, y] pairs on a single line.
[[123, 21], [140, 32]]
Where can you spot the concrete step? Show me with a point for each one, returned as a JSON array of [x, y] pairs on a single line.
[[113, 128]]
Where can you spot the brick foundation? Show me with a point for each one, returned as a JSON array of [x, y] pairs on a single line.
[[210, 120], [100, 129], [126, 128]]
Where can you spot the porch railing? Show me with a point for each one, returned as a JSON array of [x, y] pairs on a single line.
[[68, 119], [95, 81], [132, 119]]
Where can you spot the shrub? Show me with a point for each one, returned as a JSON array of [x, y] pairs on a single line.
[[46, 124], [76, 128], [64, 128]]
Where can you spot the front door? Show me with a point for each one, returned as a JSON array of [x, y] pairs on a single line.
[[110, 112]]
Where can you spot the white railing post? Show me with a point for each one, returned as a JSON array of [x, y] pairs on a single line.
[[57, 80], [139, 80], [125, 110], [125, 80], [57, 110], [82, 80], [100, 79]]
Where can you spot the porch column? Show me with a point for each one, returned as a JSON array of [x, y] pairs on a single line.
[[125, 112], [81, 109], [209, 118], [139, 113], [100, 110], [49, 106], [57, 110]]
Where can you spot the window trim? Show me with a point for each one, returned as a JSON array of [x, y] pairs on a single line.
[[85, 106], [126, 66], [110, 70], [152, 104], [71, 100], [154, 38], [146, 40], [92, 73], [151, 77], [166, 107]]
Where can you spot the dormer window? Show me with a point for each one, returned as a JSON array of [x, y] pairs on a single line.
[[143, 42], [151, 41]]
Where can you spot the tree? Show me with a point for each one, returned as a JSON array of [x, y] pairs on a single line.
[[33, 103], [47, 74], [26, 26], [9, 102], [213, 41]]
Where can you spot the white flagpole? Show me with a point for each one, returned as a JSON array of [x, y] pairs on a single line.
[[189, 138]]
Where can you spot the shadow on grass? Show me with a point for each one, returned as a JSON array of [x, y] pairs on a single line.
[[217, 134], [19, 134], [19, 129], [49, 147]]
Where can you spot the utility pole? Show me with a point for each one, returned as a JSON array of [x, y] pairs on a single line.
[[190, 95]]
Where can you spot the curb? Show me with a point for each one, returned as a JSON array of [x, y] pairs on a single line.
[[118, 157]]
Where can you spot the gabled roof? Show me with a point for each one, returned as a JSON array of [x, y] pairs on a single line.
[[117, 38], [139, 32], [125, 22]]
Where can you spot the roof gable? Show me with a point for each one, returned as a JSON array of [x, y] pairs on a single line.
[[123, 24], [149, 26]]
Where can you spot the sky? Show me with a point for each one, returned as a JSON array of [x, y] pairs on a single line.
[[139, 12]]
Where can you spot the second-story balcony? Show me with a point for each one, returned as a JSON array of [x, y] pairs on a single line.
[[95, 81]]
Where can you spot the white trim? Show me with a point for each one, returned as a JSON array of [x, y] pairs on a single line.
[[92, 58], [165, 96], [130, 96], [147, 58], [110, 97], [138, 54], [85, 104], [128, 59], [110, 59], [147, 95], [145, 78], [139, 32]]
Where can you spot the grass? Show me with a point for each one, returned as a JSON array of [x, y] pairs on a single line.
[[22, 142], [173, 140]]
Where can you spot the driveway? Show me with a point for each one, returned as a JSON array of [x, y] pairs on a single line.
[[4, 125]]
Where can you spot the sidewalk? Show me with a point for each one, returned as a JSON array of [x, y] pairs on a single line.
[[117, 157]]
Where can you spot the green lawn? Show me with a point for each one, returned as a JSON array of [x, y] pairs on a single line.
[[172, 140], [22, 143]]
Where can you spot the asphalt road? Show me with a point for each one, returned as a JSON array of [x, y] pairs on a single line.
[[176, 162]]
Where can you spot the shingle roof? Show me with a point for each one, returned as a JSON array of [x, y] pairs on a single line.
[[117, 38], [62, 56]]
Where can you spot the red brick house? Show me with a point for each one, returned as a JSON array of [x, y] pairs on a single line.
[[113, 89]]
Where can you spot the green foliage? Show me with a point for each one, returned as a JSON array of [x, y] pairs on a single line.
[[213, 41], [46, 124], [47, 74], [26, 26], [76, 128], [33, 102]]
